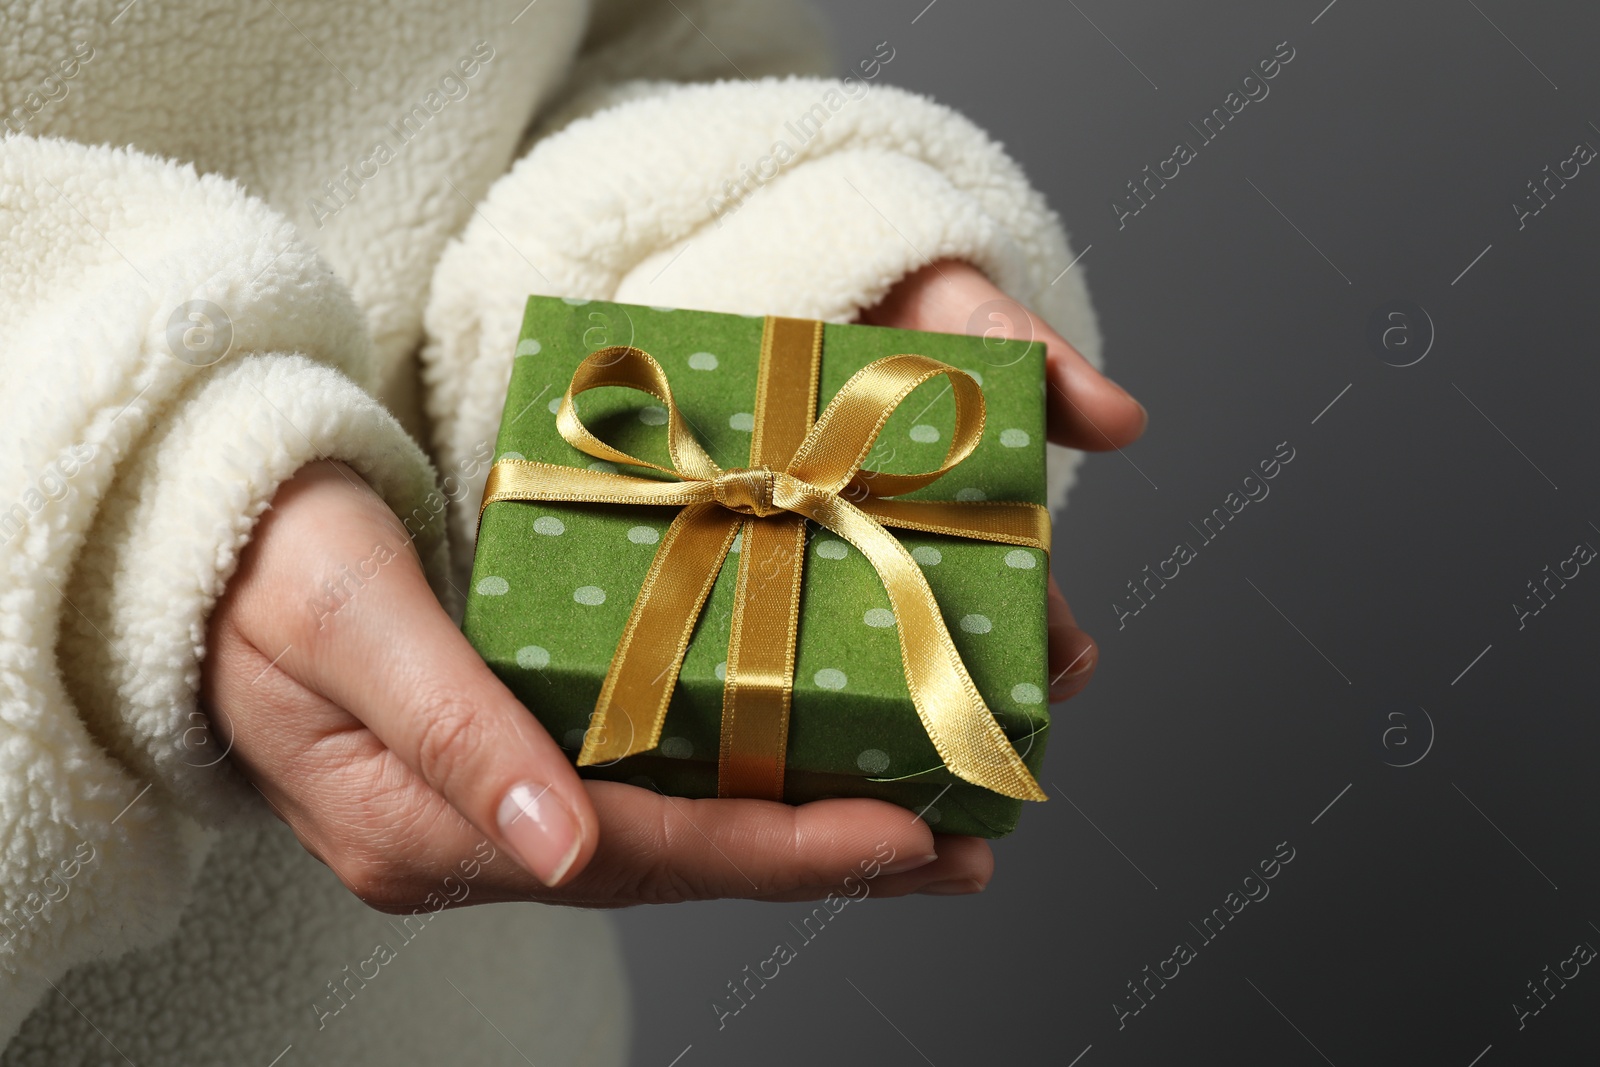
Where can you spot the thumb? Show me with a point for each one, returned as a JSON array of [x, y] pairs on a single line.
[[390, 656]]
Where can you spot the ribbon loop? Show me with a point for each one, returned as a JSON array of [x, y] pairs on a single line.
[[627, 367], [831, 455]]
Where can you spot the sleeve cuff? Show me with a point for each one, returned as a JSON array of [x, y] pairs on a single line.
[[168, 538], [109, 409]]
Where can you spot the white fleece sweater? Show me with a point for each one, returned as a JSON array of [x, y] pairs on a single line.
[[238, 237]]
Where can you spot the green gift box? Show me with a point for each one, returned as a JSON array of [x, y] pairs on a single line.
[[554, 582]]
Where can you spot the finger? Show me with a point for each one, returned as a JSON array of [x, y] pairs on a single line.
[[1073, 653], [389, 655], [965, 865], [1085, 409], [402, 849], [660, 849], [396, 844]]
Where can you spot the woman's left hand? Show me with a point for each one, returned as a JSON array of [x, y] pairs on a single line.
[[1084, 410]]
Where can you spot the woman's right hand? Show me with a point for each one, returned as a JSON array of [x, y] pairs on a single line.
[[378, 734]]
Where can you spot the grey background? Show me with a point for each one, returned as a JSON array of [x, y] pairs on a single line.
[[1259, 685]]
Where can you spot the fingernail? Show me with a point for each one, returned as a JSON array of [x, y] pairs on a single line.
[[540, 830], [1068, 682], [909, 863], [953, 888], [1079, 669]]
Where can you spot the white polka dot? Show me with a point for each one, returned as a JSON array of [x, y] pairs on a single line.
[[702, 361], [738, 543], [1021, 559], [643, 535], [931, 815], [589, 594], [976, 624], [976, 376], [603, 467], [493, 586], [742, 420], [653, 415], [927, 555], [554, 405], [573, 738], [549, 525], [873, 761], [925, 434], [529, 346], [512, 455], [533, 657], [1026, 693], [971, 493], [1015, 438], [677, 747], [574, 301], [829, 678], [832, 549], [657, 307], [722, 671], [879, 618]]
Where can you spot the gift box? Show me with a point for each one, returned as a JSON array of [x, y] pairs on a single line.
[[589, 571]]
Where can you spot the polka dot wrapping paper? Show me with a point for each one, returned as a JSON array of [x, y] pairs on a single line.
[[553, 584]]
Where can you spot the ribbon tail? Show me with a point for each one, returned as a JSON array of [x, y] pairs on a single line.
[[962, 728], [632, 707], [1006, 522]]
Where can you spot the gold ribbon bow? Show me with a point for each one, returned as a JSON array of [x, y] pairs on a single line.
[[798, 470]]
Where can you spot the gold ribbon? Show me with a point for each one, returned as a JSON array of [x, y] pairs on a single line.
[[799, 470]]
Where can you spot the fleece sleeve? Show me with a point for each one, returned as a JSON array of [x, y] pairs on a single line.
[[790, 195], [171, 353]]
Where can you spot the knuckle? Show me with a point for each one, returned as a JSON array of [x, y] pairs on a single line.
[[658, 880], [670, 871], [312, 626], [377, 882], [449, 732], [677, 882]]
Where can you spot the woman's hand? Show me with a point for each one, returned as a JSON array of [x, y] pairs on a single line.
[[1085, 409], [378, 734]]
